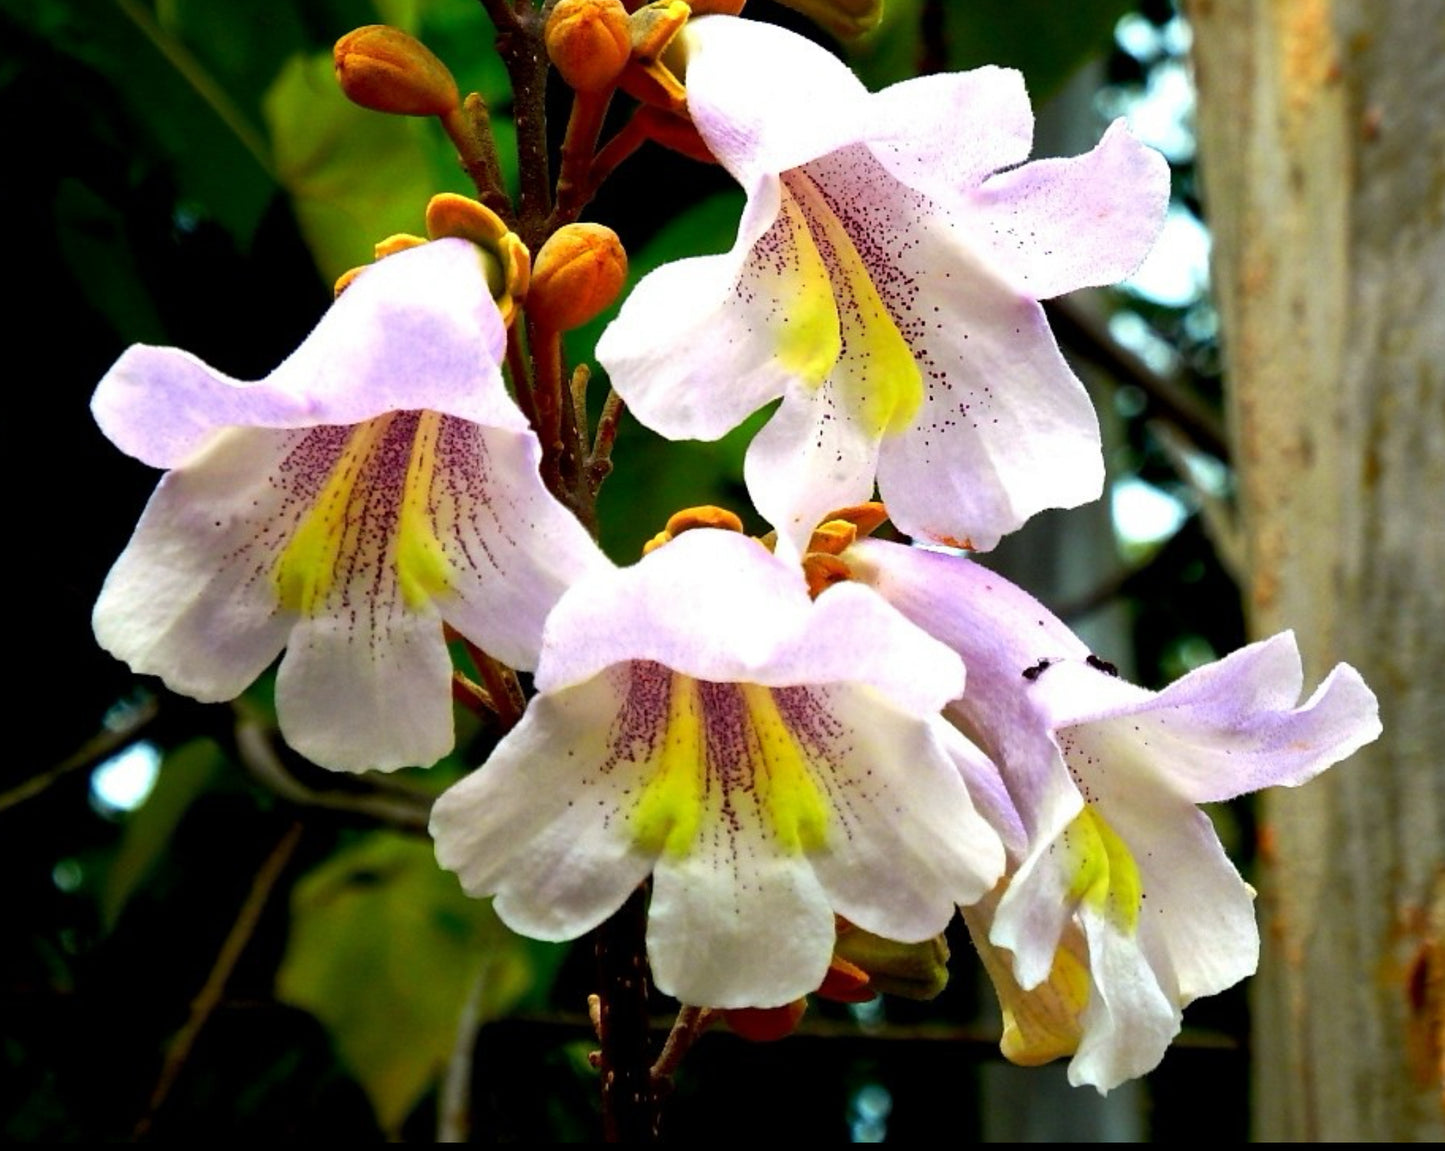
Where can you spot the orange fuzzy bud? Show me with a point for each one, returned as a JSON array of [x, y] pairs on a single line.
[[384, 69], [578, 273], [589, 42]]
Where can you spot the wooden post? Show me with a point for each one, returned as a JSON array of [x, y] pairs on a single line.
[[1322, 150]]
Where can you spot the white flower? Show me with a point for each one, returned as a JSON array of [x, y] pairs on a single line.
[[379, 482], [885, 284], [769, 760], [1121, 907]]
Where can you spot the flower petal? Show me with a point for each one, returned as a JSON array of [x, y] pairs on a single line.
[[1054, 226], [1005, 429], [1196, 909], [417, 330], [735, 923], [909, 844], [541, 824], [1232, 727], [1001, 632], [740, 122], [700, 344], [1129, 1021], [367, 690], [512, 549], [717, 606], [914, 129], [809, 459], [1034, 911], [191, 598]]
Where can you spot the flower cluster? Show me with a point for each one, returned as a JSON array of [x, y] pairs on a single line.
[[779, 739]]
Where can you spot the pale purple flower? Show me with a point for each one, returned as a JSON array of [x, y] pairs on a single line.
[[379, 482], [767, 759], [885, 284], [1121, 907]]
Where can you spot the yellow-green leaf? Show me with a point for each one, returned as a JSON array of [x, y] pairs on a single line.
[[384, 951]]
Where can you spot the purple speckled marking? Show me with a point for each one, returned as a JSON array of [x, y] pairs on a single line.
[[730, 756], [463, 503]]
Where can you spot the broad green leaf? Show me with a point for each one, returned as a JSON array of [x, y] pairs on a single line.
[[384, 951], [186, 774], [1044, 39], [241, 46], [214, 152], [354, 176]]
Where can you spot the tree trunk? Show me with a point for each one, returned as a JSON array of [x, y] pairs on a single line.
[[1322, 139]]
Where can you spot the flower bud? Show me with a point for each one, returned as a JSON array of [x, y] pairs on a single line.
[[384, 69], [911, 970], [589, 41], [579, 272]]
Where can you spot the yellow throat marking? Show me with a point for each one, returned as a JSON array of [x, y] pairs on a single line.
[[1104, 873], [689, 784], [878, 379], [336, 526]]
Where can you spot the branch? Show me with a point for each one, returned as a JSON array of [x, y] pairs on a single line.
[[385, 803], [1088, 337], [209, 997], [98, 747]]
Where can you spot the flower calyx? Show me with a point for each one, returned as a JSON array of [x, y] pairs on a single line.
[[908, 970], [654, 74], [822, 563], [385, 69], [509, 264], [589, 42], [703, 516], [506, 263], [580, 271]]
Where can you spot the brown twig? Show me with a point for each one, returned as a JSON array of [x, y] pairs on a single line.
[[454, 1107], [575, 182], [501, 684], [470, 129], [384, 802], [1088, 337], [98, 747], [546, 348], [209, 997], [519, 44], [690, 1024], [599, 463]]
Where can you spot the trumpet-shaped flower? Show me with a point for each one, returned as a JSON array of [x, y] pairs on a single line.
[[769, 760], [1123, 907], [885, 284], [379, 482]]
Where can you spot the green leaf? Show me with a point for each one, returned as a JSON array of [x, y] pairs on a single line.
[[186, 774], [384, 951], [1047, 41], [213, 151], [354, 176]]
